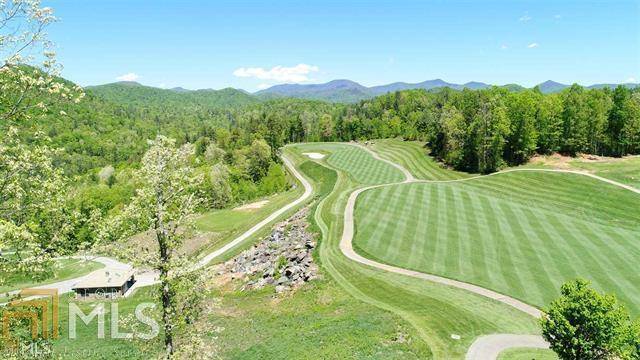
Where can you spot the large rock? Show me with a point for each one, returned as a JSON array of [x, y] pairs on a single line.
[[283, 258]]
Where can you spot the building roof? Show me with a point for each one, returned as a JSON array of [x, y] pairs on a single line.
[[105, 278]]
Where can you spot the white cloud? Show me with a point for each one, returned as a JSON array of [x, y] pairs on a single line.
[[631, 80], [525, 18], [533, 45], [295, 74], [162, 85], [504, 47], [263, 86], [128, 77]]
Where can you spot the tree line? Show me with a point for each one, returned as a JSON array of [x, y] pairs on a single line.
[[484, 130]]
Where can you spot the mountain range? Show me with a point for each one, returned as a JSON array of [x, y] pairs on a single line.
[[344, 91], [350, 91]]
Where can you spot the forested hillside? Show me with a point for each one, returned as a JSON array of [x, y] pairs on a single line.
[[237, 138], [473, 130], [133, 93]]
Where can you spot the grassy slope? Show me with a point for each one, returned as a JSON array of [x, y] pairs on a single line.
[[63, 269], [325, 321], [436, 311], [413, 156], [87, 345], [625, 170], [226, 224], [362, 167], [320, 320], [521, 234], [527, 354]]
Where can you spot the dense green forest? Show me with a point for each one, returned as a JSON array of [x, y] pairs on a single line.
[[237, 137], [473, 130]]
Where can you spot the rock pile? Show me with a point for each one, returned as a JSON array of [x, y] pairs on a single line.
[[282, 259]]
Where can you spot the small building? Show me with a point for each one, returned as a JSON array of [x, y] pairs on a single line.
[[105, 284]]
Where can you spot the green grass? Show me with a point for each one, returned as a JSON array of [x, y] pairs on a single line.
[[226, 224], [413, 156], [521, 233], [363, 167], [63, 269], [626, 171], [319, 321], [353, 312], [527, 354], [87, 344], [324, 179], [435, 311]]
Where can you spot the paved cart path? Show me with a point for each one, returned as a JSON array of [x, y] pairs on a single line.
[[484, 347]]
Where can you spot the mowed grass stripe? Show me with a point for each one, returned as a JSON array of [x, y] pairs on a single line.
[[492, 253], [505, 251], [466, 249], [556, 246], [373, 229], [409, 219], [536, 276], [414, 157], [598, 261], [452, 239], [609, 257], [387, 221], [402, 155], [480, 272], [514, 236], [422, 164], [417, 161], [433, 227], [363, 167], [620, 235], [417, 228], [571, 193]]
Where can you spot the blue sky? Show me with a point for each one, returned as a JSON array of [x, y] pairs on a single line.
[[251, 44]]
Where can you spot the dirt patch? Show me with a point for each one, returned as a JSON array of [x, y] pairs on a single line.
[[252, 206], [555, 161], [558, 161], [595, 158], [190, 246]]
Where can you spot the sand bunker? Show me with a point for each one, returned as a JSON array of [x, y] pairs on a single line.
[[314, 155], [252, 206]]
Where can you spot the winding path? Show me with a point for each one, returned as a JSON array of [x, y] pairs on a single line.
[[484, 347], [150, 277], [308, 190]]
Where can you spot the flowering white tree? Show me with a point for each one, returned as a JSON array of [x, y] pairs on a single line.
[[32, 220], [163, 205], [28, 67]]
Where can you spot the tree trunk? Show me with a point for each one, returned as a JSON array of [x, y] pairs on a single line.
[[166, 316], [165, 258]]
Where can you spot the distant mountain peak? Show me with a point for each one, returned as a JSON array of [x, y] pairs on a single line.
[[551, 82], [128, 83], [551, 86]]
